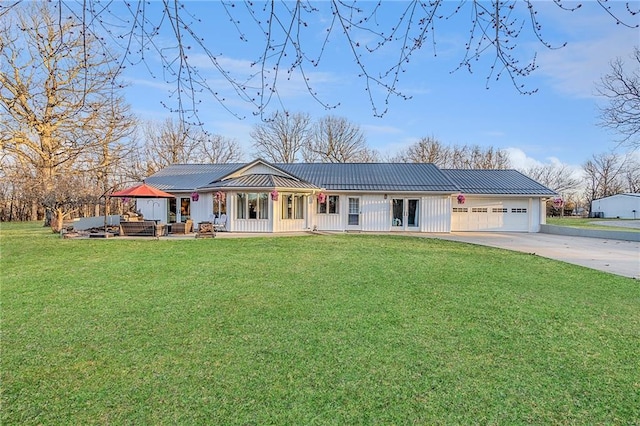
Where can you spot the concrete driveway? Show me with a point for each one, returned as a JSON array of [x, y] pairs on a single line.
[[614, 256]]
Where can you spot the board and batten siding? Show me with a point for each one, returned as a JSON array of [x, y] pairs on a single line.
[[247, 225], [376, 212], [435, 213], [290, 225]]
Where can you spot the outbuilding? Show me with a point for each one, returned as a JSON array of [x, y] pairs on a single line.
[[383, 197], [619, 206]]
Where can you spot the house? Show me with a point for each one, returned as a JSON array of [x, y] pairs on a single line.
[[264, 197], [621, 206]]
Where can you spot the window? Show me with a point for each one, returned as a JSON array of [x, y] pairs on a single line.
[[460, 209], [219, 206], [253, 205], [479, 210], [330, 205], [499, 210], [242, 206], [263, 205], [518, 210], [293, 207]]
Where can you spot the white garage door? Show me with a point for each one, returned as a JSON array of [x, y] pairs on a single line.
[[490, 215]]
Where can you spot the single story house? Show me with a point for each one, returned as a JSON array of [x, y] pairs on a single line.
[[621, 206], [265, 197]]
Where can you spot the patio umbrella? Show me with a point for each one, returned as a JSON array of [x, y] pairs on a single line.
[[142, 191]]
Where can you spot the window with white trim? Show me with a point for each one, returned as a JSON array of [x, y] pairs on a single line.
[[499, 210], [460, 209], [479, 210], [252, 205], [329, 206], [518, 210], [293, 206]]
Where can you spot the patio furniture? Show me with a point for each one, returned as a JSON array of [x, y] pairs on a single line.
[[206, 230], [141, 228], [181, 227], [220, 223]]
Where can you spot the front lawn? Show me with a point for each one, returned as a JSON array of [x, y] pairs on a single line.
[[318, 329], [591, 223]]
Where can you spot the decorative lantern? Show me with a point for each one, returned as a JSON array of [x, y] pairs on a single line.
[[461, 199], [195, 196], [220, 196], [322, 197], [274, 195]]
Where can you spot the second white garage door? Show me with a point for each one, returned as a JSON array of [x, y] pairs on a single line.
[[491, 215]]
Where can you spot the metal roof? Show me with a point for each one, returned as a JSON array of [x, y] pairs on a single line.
[[187, 177], [510, 182], [418, 177], [260, 181], [388, 177]]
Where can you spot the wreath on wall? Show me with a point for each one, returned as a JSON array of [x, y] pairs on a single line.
[[461, 199], [195, 196], [322, 197], [274, 195]]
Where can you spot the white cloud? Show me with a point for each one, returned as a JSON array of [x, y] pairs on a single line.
[[593, 41]]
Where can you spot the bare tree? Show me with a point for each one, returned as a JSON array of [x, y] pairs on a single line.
[[622, 90], [218, 149], [56, 90], [285, 38], [169, 142], [426, 150], [554, 176], [430, 150], [337, 140], [281, 138], [604, 175]]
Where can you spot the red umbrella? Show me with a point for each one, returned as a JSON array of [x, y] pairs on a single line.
[[142, 191]]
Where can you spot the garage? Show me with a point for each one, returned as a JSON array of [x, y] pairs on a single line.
[[491, 214]]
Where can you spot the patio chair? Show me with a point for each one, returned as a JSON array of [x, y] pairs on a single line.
[[220, 223]]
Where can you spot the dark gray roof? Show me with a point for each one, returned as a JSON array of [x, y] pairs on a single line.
[[187, 177], [259, 181], [388, 177], [421, 177], [496, 182]]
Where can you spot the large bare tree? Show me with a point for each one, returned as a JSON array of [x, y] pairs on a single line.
[[337, 140], [285, 38], [621, 87], [282, 136], [59, 106]]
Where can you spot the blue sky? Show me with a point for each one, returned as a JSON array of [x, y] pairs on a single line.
[[556, 124]]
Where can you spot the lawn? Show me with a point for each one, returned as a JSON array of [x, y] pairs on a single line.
[[318, 329], [590, 223]]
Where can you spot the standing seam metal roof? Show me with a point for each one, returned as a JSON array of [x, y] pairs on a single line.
[[401, 177]]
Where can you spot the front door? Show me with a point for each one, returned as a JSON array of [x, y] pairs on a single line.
[[353, 216], [404, 214]]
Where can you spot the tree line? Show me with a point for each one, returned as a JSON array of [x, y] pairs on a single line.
[[68, 137]]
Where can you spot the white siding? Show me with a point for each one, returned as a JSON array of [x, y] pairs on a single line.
[[624, 206], [289, 225], [153, 208], [376, 212], [435, 214], [326, 221]]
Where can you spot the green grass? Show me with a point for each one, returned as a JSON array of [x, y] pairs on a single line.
[[339, 329], [589, 223]]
